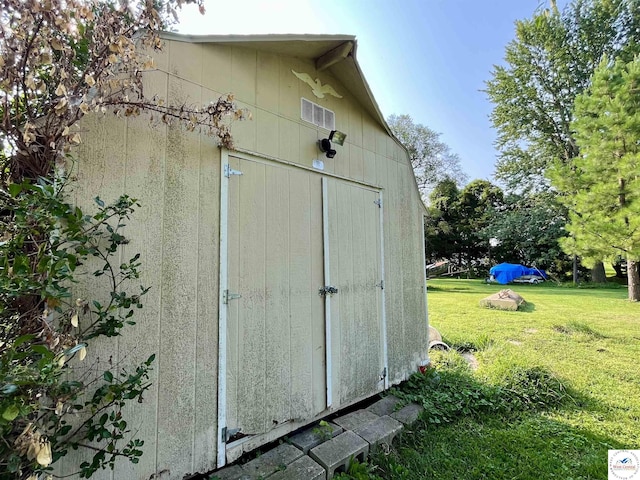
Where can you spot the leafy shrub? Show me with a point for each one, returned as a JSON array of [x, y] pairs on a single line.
[[448, 394], [534, 388], [62, 60], [483, 342], [44, 331], [359, 471], [450, 391]]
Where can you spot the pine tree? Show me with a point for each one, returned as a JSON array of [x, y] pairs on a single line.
[[601, 187]]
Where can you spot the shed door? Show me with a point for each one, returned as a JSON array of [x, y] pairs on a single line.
[[353, 265], [275, 330]]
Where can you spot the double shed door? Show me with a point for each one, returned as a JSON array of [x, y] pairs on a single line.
[[292, 350]]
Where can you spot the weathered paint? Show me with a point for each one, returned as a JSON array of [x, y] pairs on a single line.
[[276, 376], [354, 240], [275, 328]]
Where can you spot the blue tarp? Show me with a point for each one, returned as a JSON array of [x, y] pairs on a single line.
[[505, 272]]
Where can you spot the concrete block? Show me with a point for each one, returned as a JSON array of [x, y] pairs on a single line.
[[272, 461], [233, 472], [384, 406], [314, 436], [380, 431], [408, 414], [355, 419], [336, 454], [302, 469]]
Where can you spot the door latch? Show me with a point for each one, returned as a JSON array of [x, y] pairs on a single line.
[[226, 296], [327, 289]]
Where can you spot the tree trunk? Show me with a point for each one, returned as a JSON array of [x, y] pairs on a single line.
[[619, 270], [575, 269], [597, 273], [633, 280]]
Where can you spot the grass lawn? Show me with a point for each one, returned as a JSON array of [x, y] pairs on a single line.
[[558, 384]]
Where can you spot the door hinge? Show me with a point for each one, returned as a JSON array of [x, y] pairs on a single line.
[[228, 171], [378, 202], [381, 284], [383, 375], [327, 289], [227, 433], [226, 296]]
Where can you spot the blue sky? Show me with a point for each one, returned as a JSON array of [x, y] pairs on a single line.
[[425, 58]]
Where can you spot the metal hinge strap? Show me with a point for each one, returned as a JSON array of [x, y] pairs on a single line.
[[228, 171], [381, 284], [226, 433], [378, 202]]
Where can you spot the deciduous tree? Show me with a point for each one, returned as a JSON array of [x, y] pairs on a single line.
[[457, 221], [431, 158], [528, 228], [547, 65], [59, 61]]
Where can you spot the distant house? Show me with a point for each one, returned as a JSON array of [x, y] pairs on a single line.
[[285, 284]]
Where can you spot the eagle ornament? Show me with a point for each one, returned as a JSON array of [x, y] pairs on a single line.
[[316, 86]]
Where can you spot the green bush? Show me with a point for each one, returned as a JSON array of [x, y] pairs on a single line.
[[450, 391], [46, 244], [534, 388], [358, 471]]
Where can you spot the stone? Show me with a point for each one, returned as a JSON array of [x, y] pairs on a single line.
[[355, 419], [337, 454], [233, 472], [314, 436], [272, 461], [384, 406], [380, 431], [503, 300], [302, 469], [409, 414]]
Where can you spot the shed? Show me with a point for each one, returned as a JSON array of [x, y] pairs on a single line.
[[240, 249]]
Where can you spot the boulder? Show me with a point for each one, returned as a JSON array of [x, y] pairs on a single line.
[[503, 300]]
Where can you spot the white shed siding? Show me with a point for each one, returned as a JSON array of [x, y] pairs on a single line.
[[176, 177]]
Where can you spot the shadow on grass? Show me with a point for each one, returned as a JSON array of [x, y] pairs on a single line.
[[448, 289], [591, 291], [528, 307], [475, 430], [573, 328], [530, 446], [609, 290], [451, 391]]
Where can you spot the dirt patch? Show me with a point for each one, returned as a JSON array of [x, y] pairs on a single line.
[[562, 329], [573, 328]]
